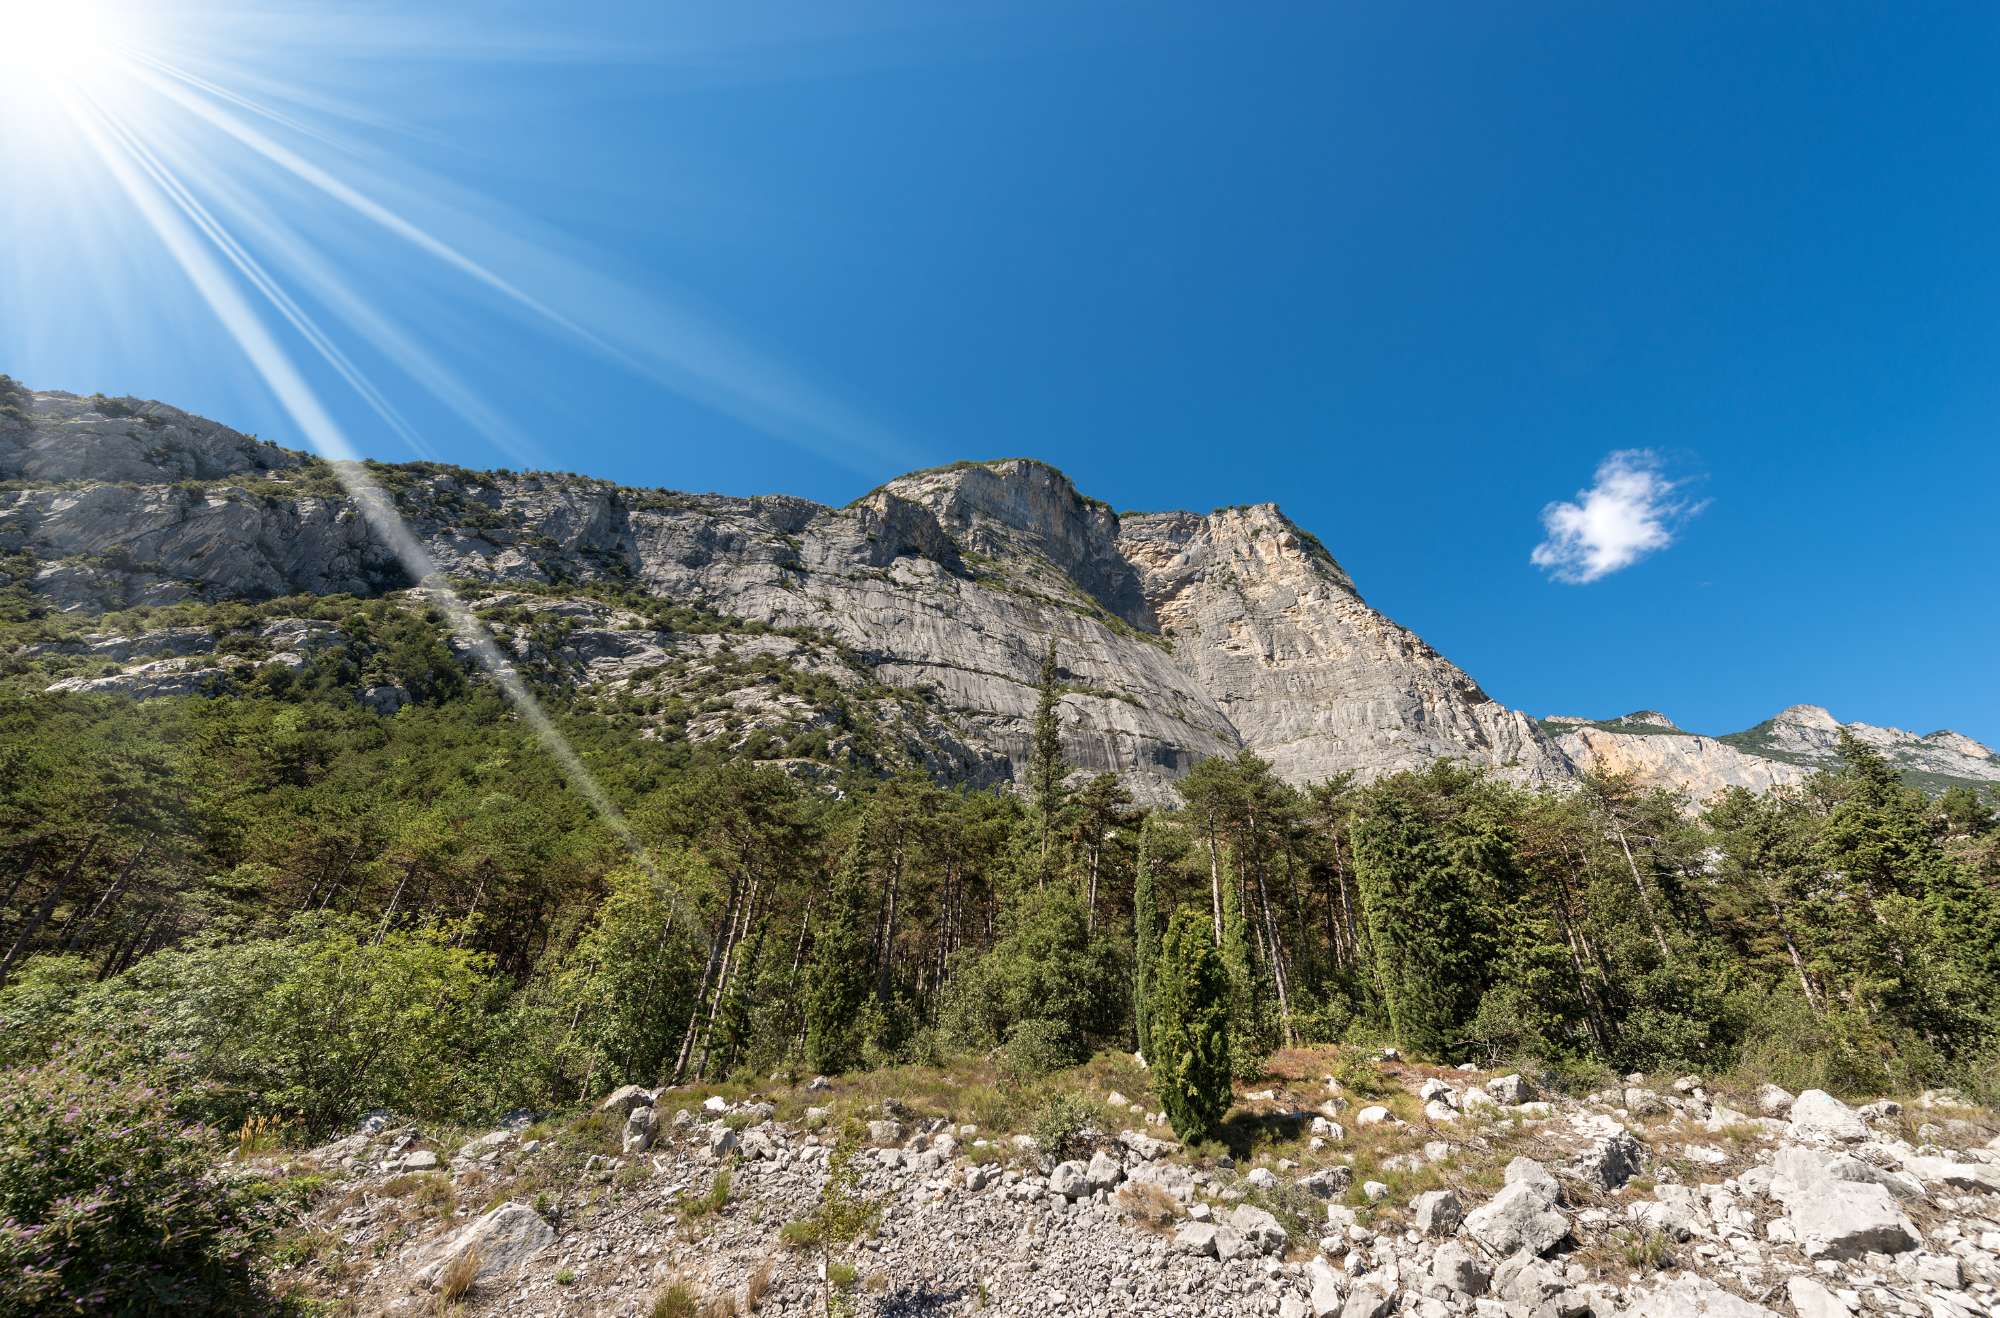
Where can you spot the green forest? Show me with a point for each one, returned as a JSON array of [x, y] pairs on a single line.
[[280, 911], [313, 911]]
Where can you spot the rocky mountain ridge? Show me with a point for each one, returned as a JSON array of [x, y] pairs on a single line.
[[906, 628], [1781, 751]]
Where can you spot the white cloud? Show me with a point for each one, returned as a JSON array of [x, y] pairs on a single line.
[[1629, 513]]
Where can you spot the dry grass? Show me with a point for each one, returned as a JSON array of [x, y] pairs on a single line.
[[758, 1285], [676, 1300], [1147, 1204], [455, 1282]]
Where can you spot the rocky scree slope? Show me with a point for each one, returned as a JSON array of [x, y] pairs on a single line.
[[1445, 1194], [929, 601]]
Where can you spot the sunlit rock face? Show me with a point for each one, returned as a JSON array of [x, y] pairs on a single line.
[[927, 605], [1782, 751]]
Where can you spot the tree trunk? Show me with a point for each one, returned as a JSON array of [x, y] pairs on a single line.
[[42, 912], [1639, 886], [110, 894]]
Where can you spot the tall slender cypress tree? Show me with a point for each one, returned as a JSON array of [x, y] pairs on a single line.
[[1191, 1027], [1145, 940]]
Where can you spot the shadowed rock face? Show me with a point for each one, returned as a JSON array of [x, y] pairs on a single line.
[[1179, 635]]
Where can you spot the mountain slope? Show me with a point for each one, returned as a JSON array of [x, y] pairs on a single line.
[[920, 611], [1781, 751]]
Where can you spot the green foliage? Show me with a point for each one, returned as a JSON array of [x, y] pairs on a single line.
[[1145, 942], [1191, 1071], [1049, 988], [1059, 1122], [325, 1021], [840, 978], [1432, 857], [110, 1202]]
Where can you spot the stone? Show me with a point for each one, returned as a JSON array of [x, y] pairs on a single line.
[[1437, 1212], [1773, 1101], [1845, 1219], [1262, 1178], [1459, 1270], [1691, 1296], [1477, 1098], [721, 1142], [1328, 1288], [1196, 1238], [715, 1103], [1071, 1180], [1812, 1300], [1374, 1191], [1373, 1115], [1434, 1088], [1510, 1090], [1146, 1146], [641, 1125], [503, 1241], [1818, 1114], [1956, 1175], [1439, 1110], [1230, 1243], [487, 1145], [418, 1160], [1612, 1159], [1523, 1216], [1259, 1228], [885, 1132], [1368, 1300], [1642, 1102], [625, 1099], [1104, 1171]]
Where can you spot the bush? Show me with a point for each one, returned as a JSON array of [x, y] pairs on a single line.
[[1037, 1047], [1059, 1125], [109, 1203], [323, 1022]]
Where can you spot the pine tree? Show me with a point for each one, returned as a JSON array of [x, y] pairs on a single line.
[[839, 976], [1190, 1028], [1145, 941]]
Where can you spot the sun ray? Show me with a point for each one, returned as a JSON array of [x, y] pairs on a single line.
[[240, 319]]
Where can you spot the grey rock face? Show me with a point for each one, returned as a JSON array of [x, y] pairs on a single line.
[[503, 1241], [1843, 1219], [1180, 636], [1696, 1297], [1781, 751], [1523, 1216], [1818, 1114]]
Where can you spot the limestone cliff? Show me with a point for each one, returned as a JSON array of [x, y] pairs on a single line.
[[1781, 751], [905, 629]]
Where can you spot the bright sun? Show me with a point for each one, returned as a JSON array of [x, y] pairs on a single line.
[[55, 40]]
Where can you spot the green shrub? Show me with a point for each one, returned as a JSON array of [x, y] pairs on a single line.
[[1059, 1123], [1037, 1047], [110, 1203]]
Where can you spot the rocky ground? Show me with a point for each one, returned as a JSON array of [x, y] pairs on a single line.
[[1405, 1189]]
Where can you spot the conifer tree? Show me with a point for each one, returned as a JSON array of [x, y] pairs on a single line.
[[838, 979], [1046, 766], [1190, 1028], [1424, 859], [1145, 941]]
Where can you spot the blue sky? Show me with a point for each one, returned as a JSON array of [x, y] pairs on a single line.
[[1414, 272]]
